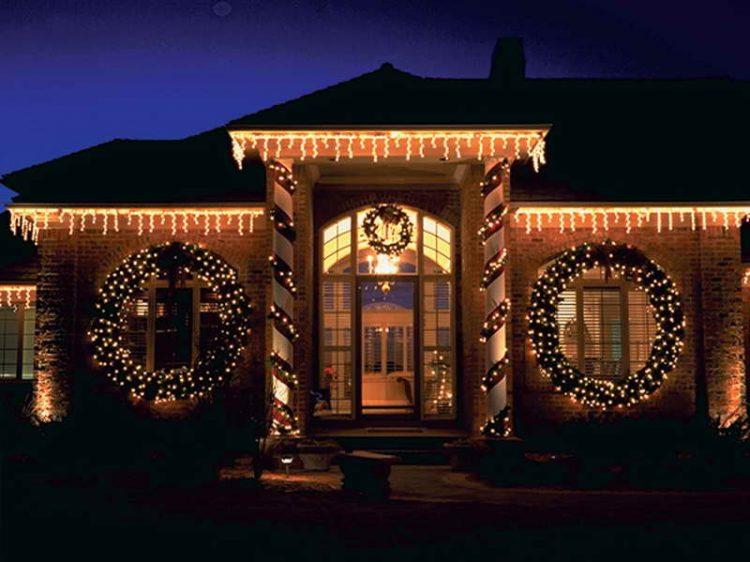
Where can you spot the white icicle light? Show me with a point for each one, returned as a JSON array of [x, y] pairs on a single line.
[[29, 222], [439, 144], [533, 217]]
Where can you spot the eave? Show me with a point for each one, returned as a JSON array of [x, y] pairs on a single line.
[[602, 216], [380, 143]]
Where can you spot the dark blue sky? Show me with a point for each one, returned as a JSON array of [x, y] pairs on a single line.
[[79, 73]]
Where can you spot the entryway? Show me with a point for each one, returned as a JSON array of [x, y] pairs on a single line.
[[387, 337]]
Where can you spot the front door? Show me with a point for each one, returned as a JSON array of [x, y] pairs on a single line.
[[387, 334], [386, 330]]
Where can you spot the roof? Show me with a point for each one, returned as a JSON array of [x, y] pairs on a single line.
[[611, 140], [19, 261], [197, 169]]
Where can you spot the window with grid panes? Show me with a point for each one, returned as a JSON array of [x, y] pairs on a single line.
[[606, 326], [163, 333], [345, 255], [17, 326]]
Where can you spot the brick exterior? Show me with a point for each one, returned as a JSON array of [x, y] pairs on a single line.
[[73, 267], [704, 264]]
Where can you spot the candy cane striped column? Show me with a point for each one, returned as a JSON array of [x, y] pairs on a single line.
[[284, 332], [497, 305]]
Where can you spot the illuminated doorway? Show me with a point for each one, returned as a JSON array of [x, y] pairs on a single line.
[[387, 335]]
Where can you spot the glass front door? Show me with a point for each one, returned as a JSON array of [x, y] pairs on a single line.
[[387, 343]]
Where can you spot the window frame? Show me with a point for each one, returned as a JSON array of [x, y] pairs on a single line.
[[195, 285], [580, 286], [352, 278], [20, 312]]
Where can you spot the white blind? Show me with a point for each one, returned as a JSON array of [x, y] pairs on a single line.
[[603, 332], [642, 328], [568, 325]]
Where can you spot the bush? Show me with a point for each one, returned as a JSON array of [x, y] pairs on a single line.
[[106, 437]]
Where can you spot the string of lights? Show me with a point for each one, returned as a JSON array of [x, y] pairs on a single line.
[[495, 320], [495, 373], [622, 261], [497, 305], [440, 370], [15, 295], [384, 217], [29, 222], [603, 218], [214, 364], [499, 425], [384, 144], [281, 309]]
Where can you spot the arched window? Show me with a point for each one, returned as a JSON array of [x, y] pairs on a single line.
[[386, 324], [606, 326]]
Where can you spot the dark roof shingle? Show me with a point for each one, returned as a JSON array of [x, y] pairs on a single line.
[[617, 140], [196, 169]]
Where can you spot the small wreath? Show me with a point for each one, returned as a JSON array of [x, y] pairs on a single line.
[[632, 265], [388, 216], [214, 365]]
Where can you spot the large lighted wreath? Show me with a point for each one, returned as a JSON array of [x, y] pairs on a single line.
[[622, 261], [175, 261], [388, 217]]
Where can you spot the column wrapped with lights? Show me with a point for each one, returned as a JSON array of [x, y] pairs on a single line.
[[497, 305], [284, 331]]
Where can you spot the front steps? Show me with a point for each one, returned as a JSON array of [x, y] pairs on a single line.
[[412, 445]]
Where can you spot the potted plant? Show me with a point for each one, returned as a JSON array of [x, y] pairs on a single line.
[[317, 455]]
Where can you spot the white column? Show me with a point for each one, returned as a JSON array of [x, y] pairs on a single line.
[[496, 303]]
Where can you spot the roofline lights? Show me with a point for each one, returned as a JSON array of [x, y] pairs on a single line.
[[603, 217], [28, 221], [11, 295], [441, 144]]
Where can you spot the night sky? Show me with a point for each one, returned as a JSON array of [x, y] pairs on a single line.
[[76, 74]]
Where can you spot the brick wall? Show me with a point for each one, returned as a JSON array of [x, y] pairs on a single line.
[[472, 300], [705, 266], [73, 267]]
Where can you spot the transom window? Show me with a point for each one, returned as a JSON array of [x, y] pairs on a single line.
[[386, 324], [163, 333], [606, 326]]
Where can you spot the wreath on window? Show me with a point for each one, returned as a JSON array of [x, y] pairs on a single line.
[[395, 222], [215, 363], [626, 262]]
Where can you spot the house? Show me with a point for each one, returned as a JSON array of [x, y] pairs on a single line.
[[402, 255]]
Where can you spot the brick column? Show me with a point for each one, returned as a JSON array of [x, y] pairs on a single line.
[[471, 306], [721, 293], [304, 306], [55, 326]]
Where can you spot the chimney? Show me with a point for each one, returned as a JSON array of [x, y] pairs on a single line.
[[508, 61]]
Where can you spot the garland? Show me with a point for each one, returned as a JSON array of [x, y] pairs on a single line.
[[387, 214], [498, 426], [632, 265], [213, 366], [281, 310]]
